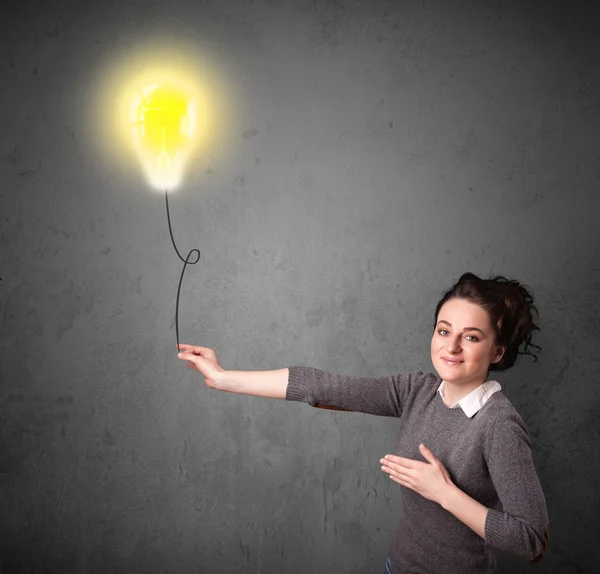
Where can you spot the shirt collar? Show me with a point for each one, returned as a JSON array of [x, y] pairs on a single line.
[[472, 402]]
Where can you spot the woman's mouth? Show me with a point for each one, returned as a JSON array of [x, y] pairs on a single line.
[[451, 362]]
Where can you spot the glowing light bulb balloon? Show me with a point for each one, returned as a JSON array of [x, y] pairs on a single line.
[[160, 108], [163, 121]]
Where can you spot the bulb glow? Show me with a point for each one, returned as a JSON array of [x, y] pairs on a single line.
[[163, 122], [163, 110]]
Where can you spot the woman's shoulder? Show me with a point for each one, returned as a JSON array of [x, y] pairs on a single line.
[[423, 388], [498, 411], [426, 377], [499, 405], [425, 382]]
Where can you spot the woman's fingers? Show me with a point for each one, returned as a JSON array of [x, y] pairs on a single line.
[[196, 349], [186, 356], [191, 348], [396, 470]]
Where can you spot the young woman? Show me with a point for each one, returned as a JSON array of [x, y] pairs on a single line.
[[463, 457]]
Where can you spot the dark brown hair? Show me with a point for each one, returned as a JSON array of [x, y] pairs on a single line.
[[509, 305]]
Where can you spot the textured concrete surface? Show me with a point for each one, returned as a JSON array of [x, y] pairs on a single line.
[[374, 152]]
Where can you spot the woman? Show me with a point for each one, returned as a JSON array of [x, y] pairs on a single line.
[[463, 457]]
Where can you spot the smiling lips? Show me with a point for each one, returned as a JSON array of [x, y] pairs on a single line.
[[451, 362]]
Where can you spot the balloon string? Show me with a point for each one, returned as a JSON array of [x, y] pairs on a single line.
[[186, 261]]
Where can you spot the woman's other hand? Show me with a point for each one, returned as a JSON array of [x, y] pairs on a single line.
[[429, 479]]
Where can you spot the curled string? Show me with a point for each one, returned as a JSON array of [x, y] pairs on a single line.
[[186, 262]]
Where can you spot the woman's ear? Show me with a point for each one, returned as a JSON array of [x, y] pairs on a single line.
[[498, 354]]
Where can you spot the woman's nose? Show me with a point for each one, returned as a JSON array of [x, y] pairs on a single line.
[[453, 346]]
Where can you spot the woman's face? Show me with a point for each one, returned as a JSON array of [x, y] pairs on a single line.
[[463, 334]]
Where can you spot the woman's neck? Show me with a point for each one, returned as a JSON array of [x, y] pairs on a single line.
[[455, 391]]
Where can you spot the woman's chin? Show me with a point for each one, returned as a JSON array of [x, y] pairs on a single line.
[[449, 376]]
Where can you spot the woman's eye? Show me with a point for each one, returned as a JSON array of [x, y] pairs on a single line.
[[474, 338]]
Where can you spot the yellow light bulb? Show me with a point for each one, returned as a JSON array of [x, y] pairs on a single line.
[[163, 121]]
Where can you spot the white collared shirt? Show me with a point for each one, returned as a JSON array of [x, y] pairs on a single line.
[[472, 402]]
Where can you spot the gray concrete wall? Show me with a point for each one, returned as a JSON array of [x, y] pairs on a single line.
[[372, 153]]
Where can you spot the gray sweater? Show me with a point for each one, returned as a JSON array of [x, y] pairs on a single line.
[[487, 455]]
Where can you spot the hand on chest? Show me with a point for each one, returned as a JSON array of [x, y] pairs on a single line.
[[460, 452]]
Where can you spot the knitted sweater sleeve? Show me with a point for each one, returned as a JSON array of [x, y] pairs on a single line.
[[521, 528], [385, 396]]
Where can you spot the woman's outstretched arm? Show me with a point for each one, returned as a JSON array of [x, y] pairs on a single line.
[[380, 396], [269, 384]]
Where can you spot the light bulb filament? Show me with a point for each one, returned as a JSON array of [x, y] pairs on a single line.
[[163, 161]]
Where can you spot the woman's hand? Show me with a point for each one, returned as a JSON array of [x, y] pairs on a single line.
[[203, 360], [429, 479]]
